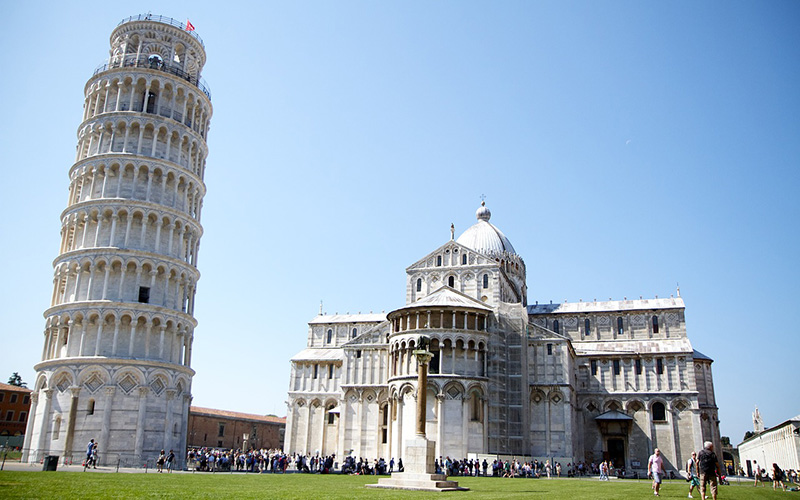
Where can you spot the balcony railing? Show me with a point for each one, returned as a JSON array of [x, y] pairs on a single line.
[[156, 63], [163, 20]]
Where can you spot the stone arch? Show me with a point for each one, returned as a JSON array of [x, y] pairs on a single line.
[[680, 404], [555, 396], [62, 379], [41, 382], [613, 404], [454, 390], [634, 405]]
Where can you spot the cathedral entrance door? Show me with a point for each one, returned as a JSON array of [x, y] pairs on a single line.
[[616, 452]]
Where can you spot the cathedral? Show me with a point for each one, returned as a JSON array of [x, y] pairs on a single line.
[[565, 382]]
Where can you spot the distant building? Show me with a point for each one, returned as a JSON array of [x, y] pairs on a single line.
[[15, 405], [230, 429], [566, 382], [779, 444]]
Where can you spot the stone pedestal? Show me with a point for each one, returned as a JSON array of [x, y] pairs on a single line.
[[419, 470]]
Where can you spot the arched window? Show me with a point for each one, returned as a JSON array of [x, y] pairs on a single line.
[[451, 281], [355, 332], [419, 284], [464, 259], [556, 326], [655, 324], [90, 407], [57, 427], [620, 329], [485, 281], [476, 407], [438, 260], [331, 415], [330, 335], [659, 412], [587, 326]]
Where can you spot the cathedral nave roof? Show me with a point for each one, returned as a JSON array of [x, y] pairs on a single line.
[[348, 318], [607, 306], [637, 347], [319, 354]]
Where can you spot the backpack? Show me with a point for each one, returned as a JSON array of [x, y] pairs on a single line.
[[706, 461]]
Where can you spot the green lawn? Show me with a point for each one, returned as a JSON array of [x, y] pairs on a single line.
[[93, 485]]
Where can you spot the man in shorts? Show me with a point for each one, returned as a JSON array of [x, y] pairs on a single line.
[[707, 465], [655, 468], [692, 475]]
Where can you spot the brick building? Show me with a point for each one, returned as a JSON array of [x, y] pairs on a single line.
[[231, 429], [15, 404]]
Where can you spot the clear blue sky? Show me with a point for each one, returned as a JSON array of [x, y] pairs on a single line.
[[623, 147]]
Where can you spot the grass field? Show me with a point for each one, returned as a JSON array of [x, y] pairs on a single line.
[[89, 485]]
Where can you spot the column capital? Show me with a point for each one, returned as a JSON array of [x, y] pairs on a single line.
[[76, 391], [143, 390], [110, 390]]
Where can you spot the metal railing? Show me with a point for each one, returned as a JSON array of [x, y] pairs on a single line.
[[155, 63], [163, 20]]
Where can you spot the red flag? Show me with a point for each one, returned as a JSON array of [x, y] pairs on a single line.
[[189, 26]]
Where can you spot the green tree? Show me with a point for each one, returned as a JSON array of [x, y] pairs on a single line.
[[16, 379]]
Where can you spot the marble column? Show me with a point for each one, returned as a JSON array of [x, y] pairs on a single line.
[[105, 433]]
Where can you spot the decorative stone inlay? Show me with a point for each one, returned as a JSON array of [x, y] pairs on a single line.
[[672, 319], [453, 392], [158, 386], [93, 383], [572, 321], [603, 321], [62, 384], [638, 320], [127, 384]]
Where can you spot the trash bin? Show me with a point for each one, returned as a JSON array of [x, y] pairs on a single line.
[[50, 462]]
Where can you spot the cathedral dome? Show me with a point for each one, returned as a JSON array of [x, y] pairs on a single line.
[[483, 237]]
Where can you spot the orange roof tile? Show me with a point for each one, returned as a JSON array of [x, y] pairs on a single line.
[[237, 415], [9, 387]]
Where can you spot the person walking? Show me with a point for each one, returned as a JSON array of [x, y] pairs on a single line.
[[691, 471], [756, 473], [707, 463], [655, 468], [777, 477], [89, 449], [170, 461], [162, 457]]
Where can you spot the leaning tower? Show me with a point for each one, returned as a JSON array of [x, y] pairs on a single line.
[[117, 347]]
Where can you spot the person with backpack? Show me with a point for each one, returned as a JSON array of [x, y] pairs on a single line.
[[692, 476], [707, 464], [777, 477]]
